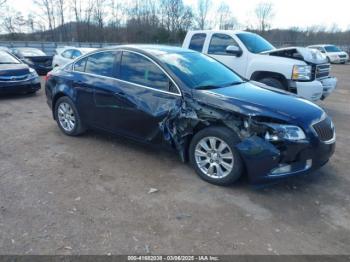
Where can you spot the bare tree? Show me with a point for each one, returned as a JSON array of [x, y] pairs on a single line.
[[226, 20], [175, 13], [116, 12], [47, 8], [203, 7], [13, 22], [264, 14]]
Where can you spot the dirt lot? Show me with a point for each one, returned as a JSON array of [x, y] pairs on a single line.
[[90, 195]]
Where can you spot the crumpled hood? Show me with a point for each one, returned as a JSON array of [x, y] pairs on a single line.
[[249, 99], [300, 53]]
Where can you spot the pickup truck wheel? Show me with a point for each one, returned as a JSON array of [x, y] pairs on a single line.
[[273, 82], [214, 157]]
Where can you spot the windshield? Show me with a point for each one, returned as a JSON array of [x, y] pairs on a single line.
[[332, 49], [31, 52], [255, 43], [198, 70], [6, 58]]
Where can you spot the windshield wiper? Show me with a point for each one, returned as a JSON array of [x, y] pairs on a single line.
[[208, 87], [234, 83]]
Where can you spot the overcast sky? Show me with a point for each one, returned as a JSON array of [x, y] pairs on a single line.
[[288, 13]]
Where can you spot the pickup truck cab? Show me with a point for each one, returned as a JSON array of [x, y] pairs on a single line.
[[302, 71]]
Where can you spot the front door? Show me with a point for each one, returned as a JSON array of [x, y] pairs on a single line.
[[148, 94], [217, 49]]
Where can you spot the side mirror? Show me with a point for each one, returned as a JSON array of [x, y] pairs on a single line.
[[234, 50]]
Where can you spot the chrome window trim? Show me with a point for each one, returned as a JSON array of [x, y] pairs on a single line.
[[127, 82]]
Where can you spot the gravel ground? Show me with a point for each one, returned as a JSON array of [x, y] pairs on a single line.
[[90, 195]]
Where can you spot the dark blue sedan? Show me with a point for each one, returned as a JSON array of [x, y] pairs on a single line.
[[15, 76], [222, 124]]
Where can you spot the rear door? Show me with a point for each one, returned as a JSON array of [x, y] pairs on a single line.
[[148, 95]]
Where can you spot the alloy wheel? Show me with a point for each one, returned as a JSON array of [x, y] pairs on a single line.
[[214, 157], [66, 117]]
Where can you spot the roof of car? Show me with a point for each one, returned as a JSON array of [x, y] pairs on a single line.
[[152, 49], [320, 45], [220, 31]]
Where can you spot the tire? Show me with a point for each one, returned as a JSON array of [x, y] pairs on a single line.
[[273, 82], [219, 169], [68, 118]]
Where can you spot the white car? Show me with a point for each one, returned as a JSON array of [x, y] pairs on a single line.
[[298, 70], [334, 54], [67, 54]]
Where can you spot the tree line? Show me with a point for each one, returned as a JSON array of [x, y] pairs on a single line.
[[144, 21]]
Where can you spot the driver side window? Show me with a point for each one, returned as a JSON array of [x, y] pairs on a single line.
[[137, 69], [219, 43]]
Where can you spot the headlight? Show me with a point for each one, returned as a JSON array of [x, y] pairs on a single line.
[[279, 132], [33, 73], [301, 72]]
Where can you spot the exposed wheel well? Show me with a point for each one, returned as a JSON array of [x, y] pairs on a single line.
[[259, 75], [196, 129]]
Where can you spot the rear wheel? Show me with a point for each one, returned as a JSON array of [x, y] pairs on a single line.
[[273, 82], [67, 117], [214, 157]]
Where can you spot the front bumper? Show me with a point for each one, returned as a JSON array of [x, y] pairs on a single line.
[[329, 84], [339, 60], [317, 89], [20, 86], [262, 158], [312, 90]]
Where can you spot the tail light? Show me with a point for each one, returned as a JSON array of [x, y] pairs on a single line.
[[47, 77]]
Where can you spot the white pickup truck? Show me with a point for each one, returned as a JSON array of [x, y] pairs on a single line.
[[299, 70]]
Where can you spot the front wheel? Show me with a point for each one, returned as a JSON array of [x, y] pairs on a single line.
[[67, 117], [214, 157]]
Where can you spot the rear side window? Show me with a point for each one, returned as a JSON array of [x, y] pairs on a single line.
[[197, 42], [100, 64], [219, 43], [80, 65], [67, 53], [137, 69], [76, 53]]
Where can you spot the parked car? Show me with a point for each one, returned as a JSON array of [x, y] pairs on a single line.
[[35, 58], [67, 54], [334, 54], [15, 76], [295, 69], [223, 124], [4, 48]]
